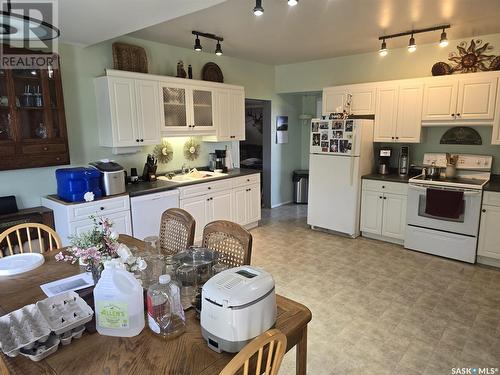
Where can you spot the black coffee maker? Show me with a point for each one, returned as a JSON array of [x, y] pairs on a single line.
[[220, 160]]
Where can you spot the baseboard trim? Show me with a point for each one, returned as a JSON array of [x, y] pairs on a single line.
[[249, 226], [488, 261], [281, 204], [382, 238]]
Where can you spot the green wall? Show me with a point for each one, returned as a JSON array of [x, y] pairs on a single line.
[[312, 76], [81, 65]]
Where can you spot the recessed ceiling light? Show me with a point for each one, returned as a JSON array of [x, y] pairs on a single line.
[[258, 10], [292, 3]]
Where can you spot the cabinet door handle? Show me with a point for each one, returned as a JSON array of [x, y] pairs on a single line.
[[248, 180], [45, 148], [142, 140], [102, 208], [383, 186], [385, 197], [458, 114], [453, 115], [484, 210], [137, 140], [397, 137], [209, 187], [208, 199], [380, 197]]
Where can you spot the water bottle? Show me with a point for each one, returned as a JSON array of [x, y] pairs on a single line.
[[119, 303], [165, 313]]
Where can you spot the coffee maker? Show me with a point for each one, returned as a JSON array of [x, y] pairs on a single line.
[[404, 160], [384, 160], [220, 160]]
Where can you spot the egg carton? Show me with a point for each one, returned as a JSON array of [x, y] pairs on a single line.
[[22, 328], [65, 312], [35, 331]]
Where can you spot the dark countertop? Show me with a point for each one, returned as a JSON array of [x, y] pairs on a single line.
[[493, 184], [143, 188], [391, 177]]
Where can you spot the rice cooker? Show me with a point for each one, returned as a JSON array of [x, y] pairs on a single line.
[[238, 305]]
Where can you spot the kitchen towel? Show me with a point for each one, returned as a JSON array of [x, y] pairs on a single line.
[[444, 203]]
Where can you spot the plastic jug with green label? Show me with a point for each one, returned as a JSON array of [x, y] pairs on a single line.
[[119, 303]]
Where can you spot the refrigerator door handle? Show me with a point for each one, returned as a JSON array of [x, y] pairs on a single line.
[[351, 170]]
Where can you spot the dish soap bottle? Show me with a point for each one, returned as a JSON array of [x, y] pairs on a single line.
[[165, 312], [119, 303]]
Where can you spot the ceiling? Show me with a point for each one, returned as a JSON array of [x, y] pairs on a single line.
[[87, 22], [316, 29]]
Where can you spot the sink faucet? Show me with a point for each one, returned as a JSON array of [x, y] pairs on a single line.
[[185, 168]]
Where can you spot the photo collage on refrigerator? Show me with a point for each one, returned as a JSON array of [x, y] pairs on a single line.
[[332, 136]]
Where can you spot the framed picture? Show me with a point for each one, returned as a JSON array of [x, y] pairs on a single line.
[[282, 129]]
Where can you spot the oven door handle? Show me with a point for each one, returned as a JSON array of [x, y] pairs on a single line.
[[425, 187]]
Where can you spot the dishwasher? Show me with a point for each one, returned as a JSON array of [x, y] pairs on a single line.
[[147, 210]]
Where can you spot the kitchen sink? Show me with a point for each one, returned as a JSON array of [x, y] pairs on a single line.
[[193, 175]]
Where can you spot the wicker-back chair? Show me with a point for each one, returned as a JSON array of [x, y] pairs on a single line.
[[229, 239], [176, 231], [266, 362], [17, 236]]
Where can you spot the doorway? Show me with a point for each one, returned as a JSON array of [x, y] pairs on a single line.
[[255, 150]]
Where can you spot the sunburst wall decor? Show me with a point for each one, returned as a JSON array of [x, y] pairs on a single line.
[[163, 152], [470, 58], [191, 149]]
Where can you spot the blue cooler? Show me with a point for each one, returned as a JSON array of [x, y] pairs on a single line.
[[73, 183]]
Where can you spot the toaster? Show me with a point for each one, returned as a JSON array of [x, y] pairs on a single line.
[[237, 305]]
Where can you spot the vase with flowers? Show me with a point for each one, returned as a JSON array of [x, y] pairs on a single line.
[[100, 245]]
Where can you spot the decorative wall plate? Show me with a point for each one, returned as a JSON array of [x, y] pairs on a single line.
[[191, 149], [472, 58], [460, 135], [211, 72], [163, 152]]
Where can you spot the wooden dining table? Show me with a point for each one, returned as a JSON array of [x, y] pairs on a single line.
[[145, 353]]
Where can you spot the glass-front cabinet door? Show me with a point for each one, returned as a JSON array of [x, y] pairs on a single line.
[[6, 120], [203, 109], [175, 107]]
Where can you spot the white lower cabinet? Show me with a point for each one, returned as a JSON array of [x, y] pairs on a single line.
[[489, 235], [383, 210], [75, 218], [235, 200]]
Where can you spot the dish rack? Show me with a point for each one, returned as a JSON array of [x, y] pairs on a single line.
[[36, 330]]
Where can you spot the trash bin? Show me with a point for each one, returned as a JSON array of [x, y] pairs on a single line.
[[300, 186]]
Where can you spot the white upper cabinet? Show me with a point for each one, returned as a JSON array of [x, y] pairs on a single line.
[[187, 109], [148, 112], [440, 98], [398, 108], [409, 122], [127, 112], [361, 97], [333, 100], [229, 108], [495, 135], [386, 111], [476, 98], [460, 99]]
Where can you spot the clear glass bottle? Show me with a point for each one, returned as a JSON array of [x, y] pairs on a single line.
[[165, 312]]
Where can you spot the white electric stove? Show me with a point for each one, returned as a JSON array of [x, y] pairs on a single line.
[[449, 231]]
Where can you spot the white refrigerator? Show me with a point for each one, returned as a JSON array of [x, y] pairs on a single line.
[[341, 151]]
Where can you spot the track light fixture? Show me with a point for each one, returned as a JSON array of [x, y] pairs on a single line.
[[258, 10], [443, 42], [412, 46], [197, 44], [383, 48], [292, 3], [218, 49]]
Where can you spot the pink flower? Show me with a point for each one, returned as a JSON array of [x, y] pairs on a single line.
[[59, 256]]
